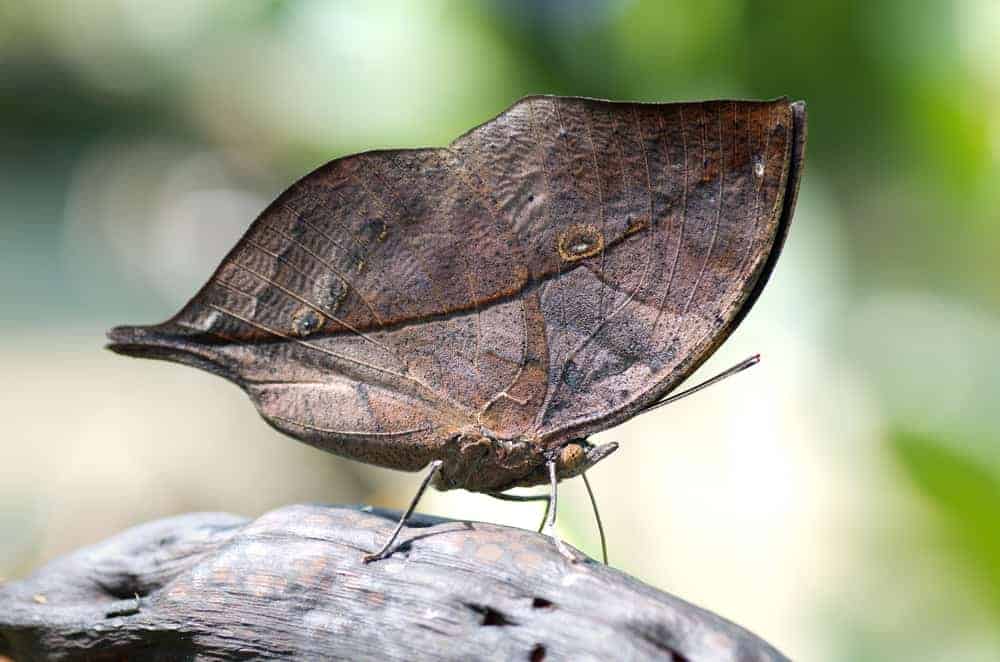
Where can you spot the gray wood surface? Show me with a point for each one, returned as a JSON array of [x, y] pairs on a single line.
[[291, 585]]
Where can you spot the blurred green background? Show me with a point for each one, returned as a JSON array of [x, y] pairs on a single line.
[[842, 499]]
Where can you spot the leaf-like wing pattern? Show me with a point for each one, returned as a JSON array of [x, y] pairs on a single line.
[[649, 230], [548, 274]]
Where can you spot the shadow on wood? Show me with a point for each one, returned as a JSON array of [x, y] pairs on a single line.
[[291, 584]]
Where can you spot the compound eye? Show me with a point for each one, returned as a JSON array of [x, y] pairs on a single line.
[[571, 456]]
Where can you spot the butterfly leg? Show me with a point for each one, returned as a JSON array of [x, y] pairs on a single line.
[[550, 525], [597, 516], [517, 497], [545, 515], [526, 497], [384, 552]]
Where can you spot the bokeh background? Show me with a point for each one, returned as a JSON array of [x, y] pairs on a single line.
[[842, 499]]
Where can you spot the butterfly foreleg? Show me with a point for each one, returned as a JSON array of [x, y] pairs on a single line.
[[384, 552], [549, 527]]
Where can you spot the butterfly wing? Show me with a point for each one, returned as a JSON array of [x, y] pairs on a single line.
[[650, 230], [373, 310], [548, 273]]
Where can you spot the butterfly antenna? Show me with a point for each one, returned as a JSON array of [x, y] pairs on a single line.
[[597, 516], [739, 367]]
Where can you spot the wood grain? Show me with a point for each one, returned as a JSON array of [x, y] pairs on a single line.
[[291, 585]]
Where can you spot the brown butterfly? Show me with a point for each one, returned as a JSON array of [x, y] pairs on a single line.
[[483, 308]]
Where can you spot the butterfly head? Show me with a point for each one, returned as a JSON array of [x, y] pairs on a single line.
[[572, 458], [578, 455]]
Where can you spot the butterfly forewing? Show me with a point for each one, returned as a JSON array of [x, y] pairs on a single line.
[[648, 227]]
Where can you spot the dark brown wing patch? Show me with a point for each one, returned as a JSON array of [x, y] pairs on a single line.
[[718, 177]]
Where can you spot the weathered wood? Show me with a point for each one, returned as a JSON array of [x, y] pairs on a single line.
[[291, 585]]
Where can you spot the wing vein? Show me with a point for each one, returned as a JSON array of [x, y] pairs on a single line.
[[680, 236], [301, 219], [631, 295], [601, 211], [317, 308], [757, 191], [217, 334], [500, 231], [718, 214], [336, 272], [398, 217], [352, 433], [548, 213], [322, 350]]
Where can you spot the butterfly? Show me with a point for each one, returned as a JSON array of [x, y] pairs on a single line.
[[480, 310]]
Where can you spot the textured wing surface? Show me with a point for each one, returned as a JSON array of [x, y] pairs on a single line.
[[376, 307], [550, 271], [649, 230]]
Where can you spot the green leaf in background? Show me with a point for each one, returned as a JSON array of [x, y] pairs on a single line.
[[965, 496]]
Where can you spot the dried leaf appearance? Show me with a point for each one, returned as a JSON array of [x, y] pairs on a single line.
[[490, 304]]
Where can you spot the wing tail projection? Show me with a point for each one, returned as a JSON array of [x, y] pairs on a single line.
[[171, 342]]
